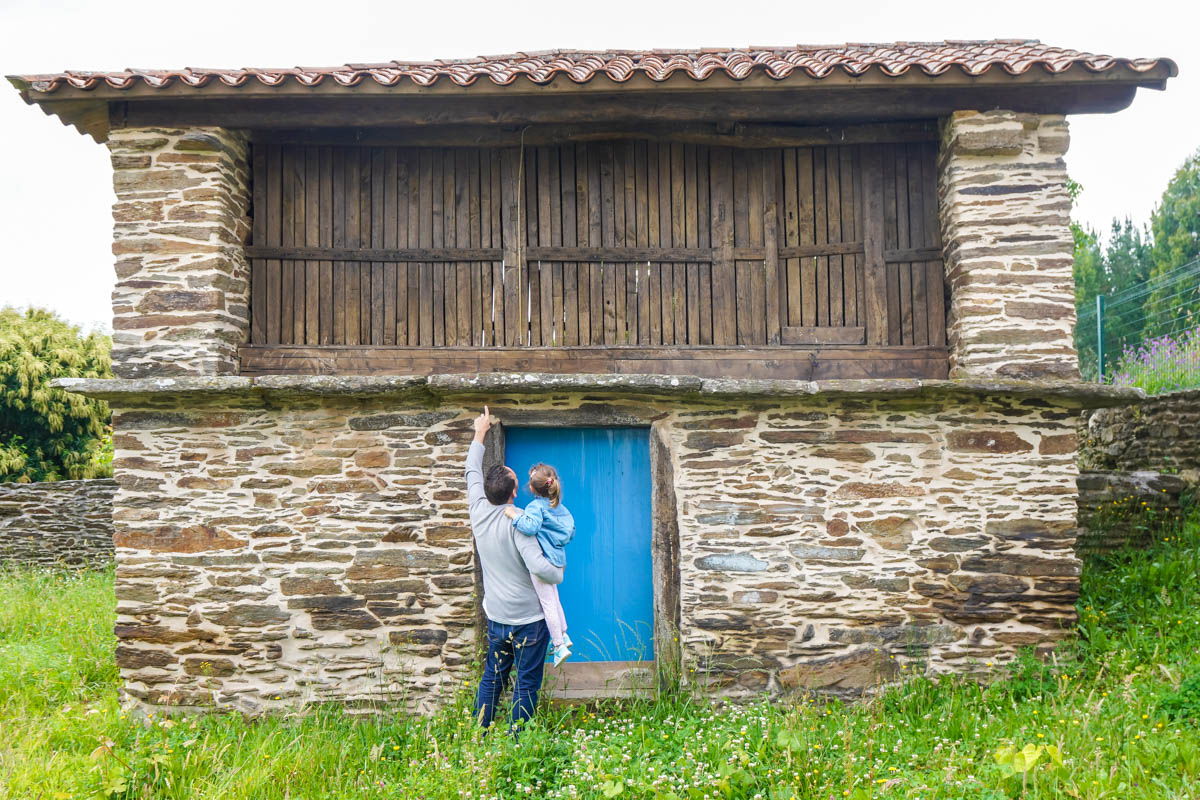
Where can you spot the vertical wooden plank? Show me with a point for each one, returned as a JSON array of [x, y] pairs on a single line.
[[258, 277], [660, 281], [582, 271], [629, 271], [596, 237], [821, 230], [833, 216], [675, 289], [325, 239], [608, 217], [692, 191], [417, 302], [440, 215], [387, 194], [850, 233], [805, 157], [544, 227], [620, 238], [427, 156], [904, 271], [859, 263], [640, 315], [744, 307], [895, 335], [364, 237], [756, 237], [916, 238], [569, 238], [312, 237], [400, 191], [474, 192], [352, 233], [511, 238], [481, 234], [556, 236], [791, 232], [287, 295], [274, 220], [704, 239], [497, 311], [373, 283], [874, 276], [666, 238], [461, 197], [690, 299], [531, 327], [339, 241], [771, 167], [935, 273], [724, 289], [445, 326]]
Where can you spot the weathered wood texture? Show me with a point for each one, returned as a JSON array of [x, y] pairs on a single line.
[[596, 244], [793, 363]]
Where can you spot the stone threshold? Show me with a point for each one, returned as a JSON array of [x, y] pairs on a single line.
[[435, 387]]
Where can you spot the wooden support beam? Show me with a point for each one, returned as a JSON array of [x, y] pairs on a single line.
[[732, 134], [285, 110], [812, 363]]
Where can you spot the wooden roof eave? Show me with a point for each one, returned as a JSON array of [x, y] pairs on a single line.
[[87, 109]]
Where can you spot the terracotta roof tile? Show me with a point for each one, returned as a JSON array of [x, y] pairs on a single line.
[[1014, 57]]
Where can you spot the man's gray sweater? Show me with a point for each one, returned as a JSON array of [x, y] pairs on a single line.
[[506, 556]]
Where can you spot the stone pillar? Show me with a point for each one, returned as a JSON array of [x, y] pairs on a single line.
[[1005, 216], [181, 303]]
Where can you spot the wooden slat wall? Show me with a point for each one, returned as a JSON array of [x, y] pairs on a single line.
[[629, 243], [916, 294]]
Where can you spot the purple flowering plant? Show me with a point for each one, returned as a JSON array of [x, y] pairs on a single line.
[[1162, 364]]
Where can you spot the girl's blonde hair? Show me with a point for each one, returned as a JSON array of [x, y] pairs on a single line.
[[543, 481]]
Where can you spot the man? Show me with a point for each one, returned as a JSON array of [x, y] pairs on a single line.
[[516, 629]]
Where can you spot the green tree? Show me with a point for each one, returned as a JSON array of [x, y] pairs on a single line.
[[45, 433], [1127, 263], [1175, 306]]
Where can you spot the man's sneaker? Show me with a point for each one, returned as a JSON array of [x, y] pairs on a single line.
[[567, 640], [560, 653]]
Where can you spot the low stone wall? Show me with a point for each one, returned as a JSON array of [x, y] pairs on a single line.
[[286, 541], [1160, 434], [1141, 456], [1119, 509], [59, 523]]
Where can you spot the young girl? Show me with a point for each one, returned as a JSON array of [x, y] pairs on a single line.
[[550, 521]]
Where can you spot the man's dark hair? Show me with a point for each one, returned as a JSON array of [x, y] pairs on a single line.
[[499, 485]]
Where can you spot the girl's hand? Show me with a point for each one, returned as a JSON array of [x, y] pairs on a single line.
[[511, 512]]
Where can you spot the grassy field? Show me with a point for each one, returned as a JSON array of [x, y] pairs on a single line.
[[1120, 709]]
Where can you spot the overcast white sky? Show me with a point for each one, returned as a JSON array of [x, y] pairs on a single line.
[[55, 187]]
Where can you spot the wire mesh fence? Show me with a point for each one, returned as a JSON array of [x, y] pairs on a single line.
[[1147, 335]]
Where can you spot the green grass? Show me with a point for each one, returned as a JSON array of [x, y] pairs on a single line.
[[1121, 705]]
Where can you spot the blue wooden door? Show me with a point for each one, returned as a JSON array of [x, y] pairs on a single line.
[[608, 592]]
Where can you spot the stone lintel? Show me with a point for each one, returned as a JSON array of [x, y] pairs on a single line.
[[433, 388]]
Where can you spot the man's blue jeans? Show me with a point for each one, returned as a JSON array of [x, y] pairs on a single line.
[[507, 645]]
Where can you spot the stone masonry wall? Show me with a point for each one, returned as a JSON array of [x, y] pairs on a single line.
[[1005, 217], [62, 523], [1161, 434], [272, 553], [180, 306], [1145, 453]]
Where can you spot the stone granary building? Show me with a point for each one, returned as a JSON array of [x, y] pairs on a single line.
[[794, 323]]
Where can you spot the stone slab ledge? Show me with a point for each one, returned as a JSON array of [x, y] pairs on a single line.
[[435, 387]]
